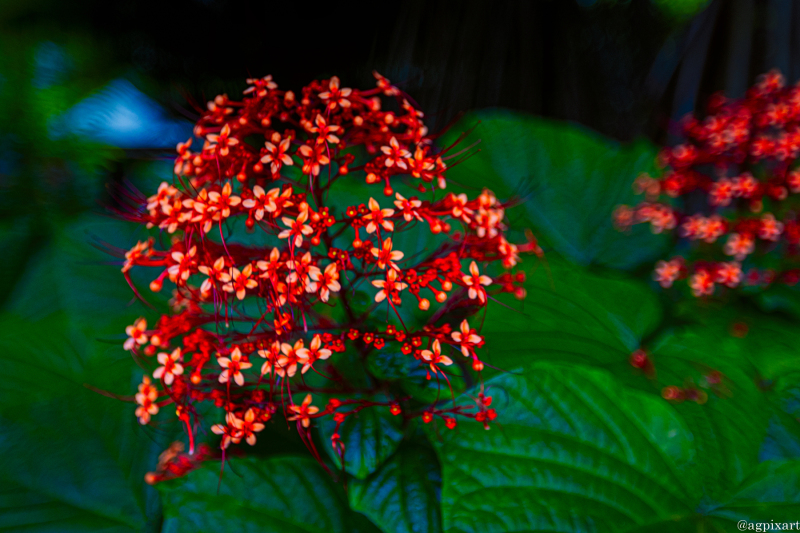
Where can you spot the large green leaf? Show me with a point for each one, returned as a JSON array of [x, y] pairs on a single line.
[[20, 238], [570, 179], [780, 297], [771, 492], [758, 355], [287, 494], [403, 495], [75, 459], [74, 275], [573, 451], [729, 429], [22, 509], [570, 315], [752, 419], [766, 341], [782, 440], [77, 462], [369, 437]]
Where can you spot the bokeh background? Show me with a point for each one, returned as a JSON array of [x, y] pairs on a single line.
[[94, 95]]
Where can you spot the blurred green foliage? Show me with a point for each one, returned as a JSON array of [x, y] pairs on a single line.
[[681, 9]]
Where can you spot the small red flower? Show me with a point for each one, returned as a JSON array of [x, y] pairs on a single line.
[[325, 282], [668, 271], [378, 217], [171, 366], [297, 228], [136, 334], [240, 281], [740, 245], [435, 357], [389, 287], [385, 256], [233, 367], [334, 95], [395, 155], [314, 352], [146, 400], [230, 431], [271, 355], [702, 283], [277, 153], [475, 281], [248, 426], [289, 359], [223, 140], [467, 338], [303, 411]]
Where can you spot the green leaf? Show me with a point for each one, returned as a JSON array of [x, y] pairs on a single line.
[[572, 451], [73, 276], [433, 390], [771, 492], [22, 509], [757, 353], [82, 456], [385, 364], [370, 437], [570, 315], [404, 494], [780, 297], [783, 438], [570, 178], [25, 510], [767, 341], [19, 238], [680, 10], [48, 363], [74, 458], [731, 426], [285, 494]]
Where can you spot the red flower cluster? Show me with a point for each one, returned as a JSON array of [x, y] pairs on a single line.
[[268, 257], [731, 191]]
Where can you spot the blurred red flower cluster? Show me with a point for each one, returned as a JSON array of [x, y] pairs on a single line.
[[730, 193]]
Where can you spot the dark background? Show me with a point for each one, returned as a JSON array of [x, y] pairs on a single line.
[[622, 68]]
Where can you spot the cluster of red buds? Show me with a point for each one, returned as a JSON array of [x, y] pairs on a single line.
[[730, 192], [710, 379], [713, 380], [270, 260], [174, 462]]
